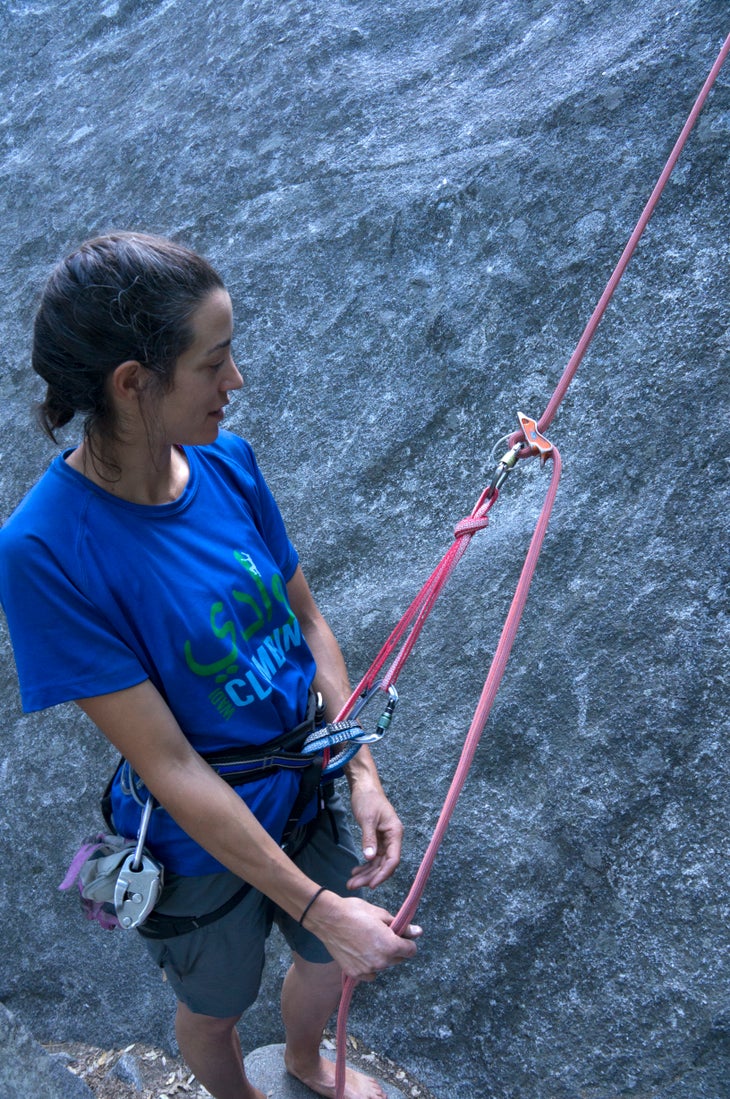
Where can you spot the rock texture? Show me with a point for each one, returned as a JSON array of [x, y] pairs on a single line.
[[27, 1071], [416, 206]]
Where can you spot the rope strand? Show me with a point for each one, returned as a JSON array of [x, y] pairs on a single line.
[[590, 329], [417, 613]]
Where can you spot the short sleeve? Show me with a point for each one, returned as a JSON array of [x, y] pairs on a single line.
[[64, 647]]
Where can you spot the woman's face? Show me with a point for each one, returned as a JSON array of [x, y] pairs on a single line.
[[192, 410]]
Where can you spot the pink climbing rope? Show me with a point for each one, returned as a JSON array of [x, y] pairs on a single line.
[[406, 632], [588, 333]]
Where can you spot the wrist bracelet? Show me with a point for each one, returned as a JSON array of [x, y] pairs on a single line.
[[321, 889]]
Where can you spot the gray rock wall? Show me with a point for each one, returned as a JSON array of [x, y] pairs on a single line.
[[416, 206], [27, 1071]]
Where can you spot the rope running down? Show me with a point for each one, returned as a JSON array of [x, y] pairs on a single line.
[[531, 443]]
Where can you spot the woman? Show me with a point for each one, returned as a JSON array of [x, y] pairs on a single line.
[[148, 577]]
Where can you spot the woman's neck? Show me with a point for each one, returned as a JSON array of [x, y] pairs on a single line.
[[141, 478]]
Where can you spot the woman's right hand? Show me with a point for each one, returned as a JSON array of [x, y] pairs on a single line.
[[358, 935]]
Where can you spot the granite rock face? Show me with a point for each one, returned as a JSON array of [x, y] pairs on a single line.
[[27, 1071], [416, 206]]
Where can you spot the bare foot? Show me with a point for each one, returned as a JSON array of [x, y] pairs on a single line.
[[321, 1079]]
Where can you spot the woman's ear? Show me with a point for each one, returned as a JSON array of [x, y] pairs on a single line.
[[127, 381]]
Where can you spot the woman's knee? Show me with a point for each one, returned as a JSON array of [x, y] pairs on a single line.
[[209, 1025], [316, 973]]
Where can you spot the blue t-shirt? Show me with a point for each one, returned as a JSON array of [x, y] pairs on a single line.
[[101, 594]]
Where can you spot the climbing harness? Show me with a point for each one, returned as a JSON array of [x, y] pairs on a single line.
[[317, 752], [121, 882], [527, 441], [290, 753]]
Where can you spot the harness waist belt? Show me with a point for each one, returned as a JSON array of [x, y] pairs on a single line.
[[302, 749], [246, 765], [239, 765]]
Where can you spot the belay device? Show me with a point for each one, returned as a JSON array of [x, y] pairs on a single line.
[[119, 880]]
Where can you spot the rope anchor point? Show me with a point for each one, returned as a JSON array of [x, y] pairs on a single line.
[[537, 443], [532, 442]]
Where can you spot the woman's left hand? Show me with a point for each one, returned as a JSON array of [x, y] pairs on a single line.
[[382, 833]]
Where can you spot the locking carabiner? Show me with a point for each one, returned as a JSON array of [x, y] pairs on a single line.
[[386, 716], [506, 465]]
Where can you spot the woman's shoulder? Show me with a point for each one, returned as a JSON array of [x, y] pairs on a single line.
[[39, 540], [232, 446], [47, 506], [231, 452]]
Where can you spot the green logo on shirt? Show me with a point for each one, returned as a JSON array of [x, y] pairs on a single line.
[[264, 659]]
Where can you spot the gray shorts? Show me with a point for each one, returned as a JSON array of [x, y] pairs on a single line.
[[216, 970]]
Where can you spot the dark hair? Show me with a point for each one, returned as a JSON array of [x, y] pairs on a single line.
[[120, 297]]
